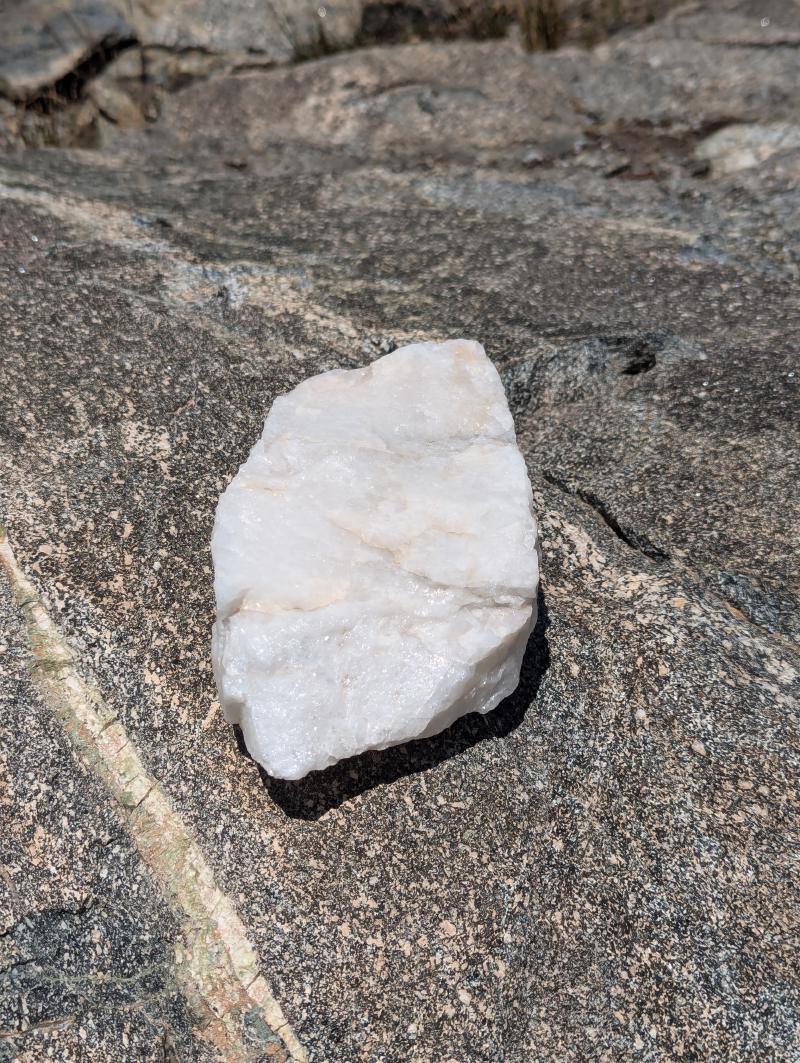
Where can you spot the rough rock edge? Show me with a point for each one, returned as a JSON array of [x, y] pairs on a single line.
[[70, 110]]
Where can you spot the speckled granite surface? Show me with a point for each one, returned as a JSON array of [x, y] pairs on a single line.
[[606, 867], [87, 943]]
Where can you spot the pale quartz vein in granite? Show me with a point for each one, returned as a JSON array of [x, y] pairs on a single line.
[[375, 560]]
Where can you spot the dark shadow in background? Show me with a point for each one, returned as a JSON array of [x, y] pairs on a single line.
[[320, 791]]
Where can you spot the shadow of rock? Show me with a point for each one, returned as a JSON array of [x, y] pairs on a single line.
[[320, 791]]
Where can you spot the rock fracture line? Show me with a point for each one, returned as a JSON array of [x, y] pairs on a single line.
[[215, 963]]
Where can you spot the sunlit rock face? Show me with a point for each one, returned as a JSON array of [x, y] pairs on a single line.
[[375, 560]]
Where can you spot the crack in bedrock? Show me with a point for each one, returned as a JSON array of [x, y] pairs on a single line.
[[767, 611], [634, 540], [71, 86], [218, 969]]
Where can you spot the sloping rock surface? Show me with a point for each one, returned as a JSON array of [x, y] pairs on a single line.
[[604, 866]]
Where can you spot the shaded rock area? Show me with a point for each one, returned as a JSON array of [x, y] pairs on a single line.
[[44, 42], [606, 866]]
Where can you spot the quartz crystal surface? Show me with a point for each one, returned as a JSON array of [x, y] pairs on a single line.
[[375, 560]]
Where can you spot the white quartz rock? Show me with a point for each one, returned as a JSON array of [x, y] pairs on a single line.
[[375, 560]]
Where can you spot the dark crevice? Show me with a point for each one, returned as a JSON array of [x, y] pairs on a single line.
[[631, 539], [253, 67], [401, 22], [72, 86], [737, 594], [542, 24], [641, 357], [631, 354], [634, 540], [781, 42]]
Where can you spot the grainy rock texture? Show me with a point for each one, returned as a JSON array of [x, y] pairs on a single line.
[[86, 942], [604, 867]]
